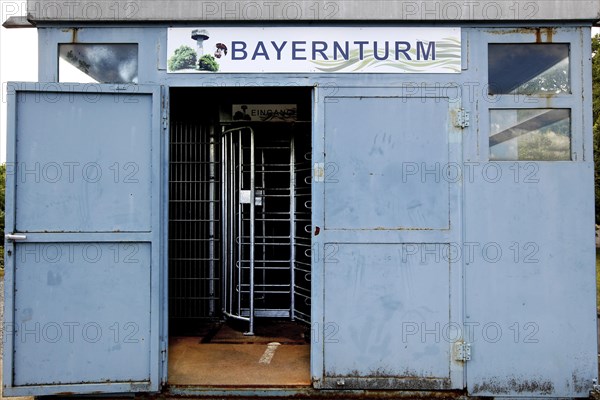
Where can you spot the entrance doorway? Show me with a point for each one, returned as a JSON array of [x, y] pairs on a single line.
[[240, 236]]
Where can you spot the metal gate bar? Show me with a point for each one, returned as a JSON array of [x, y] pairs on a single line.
[[232, 223], [194, 229], [262, 268], [302, 230]]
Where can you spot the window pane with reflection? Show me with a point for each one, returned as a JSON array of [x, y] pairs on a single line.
[[528, 68], [98, 63], [530, 134]]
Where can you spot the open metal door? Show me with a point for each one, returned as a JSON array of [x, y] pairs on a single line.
[[83, 219], [387, 171]]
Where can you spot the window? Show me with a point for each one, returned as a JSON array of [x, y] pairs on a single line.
[[98, 63], [530, 134], [542, 73], [529, 68]]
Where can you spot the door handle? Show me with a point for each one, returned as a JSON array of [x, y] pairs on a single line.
[[15, 236]]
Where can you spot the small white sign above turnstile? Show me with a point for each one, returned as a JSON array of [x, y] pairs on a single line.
[[265, 112]]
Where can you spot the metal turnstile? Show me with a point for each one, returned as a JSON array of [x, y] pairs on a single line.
[[265, 226]]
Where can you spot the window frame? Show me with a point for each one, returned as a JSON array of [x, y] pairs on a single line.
[[571, 101]]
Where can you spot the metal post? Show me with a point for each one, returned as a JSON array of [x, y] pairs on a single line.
[[264, 224], [240, 226], [252, 220], [223, 222], [292, 226], [211, 226]]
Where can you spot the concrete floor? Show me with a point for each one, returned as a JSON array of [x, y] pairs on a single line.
[[216, 364]]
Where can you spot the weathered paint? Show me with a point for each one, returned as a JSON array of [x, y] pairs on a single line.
[[73, 322], [304, 393], [539, 33]]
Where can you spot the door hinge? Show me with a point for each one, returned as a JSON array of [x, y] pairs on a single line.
[[463, 118], [165, 120], [163, 351], [462, 351]]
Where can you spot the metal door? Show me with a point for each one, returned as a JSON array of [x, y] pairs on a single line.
[[386, 239], [82, 246], [530, 297]]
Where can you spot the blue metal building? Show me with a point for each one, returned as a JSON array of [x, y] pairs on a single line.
[[303, 198]]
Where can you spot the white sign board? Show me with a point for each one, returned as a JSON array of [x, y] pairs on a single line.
[[265, 112], [314, 49]]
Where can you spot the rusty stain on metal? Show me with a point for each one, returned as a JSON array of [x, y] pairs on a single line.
[[538, 33], [74, 34], [580, 385], [515, 385], [314, 394], [388, 380], [520, 31]]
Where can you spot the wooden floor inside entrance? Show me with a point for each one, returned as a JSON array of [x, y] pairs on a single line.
[[278, 355]]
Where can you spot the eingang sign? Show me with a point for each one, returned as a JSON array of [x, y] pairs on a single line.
[[314, 49]]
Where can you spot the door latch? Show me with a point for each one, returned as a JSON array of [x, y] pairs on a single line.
[[15, 236]]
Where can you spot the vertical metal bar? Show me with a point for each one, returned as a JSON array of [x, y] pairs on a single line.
[[264, 222], [252, 239], [189, 228], [240, 227], [200, 229], [232, 226], [175, 194], [196, 278], [211, 226], [224, 244], [292, 226], [182, 244]]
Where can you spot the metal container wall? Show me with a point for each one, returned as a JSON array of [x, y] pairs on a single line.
[[420, 280]]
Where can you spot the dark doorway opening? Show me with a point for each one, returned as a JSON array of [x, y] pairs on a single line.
[[240, 236]]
